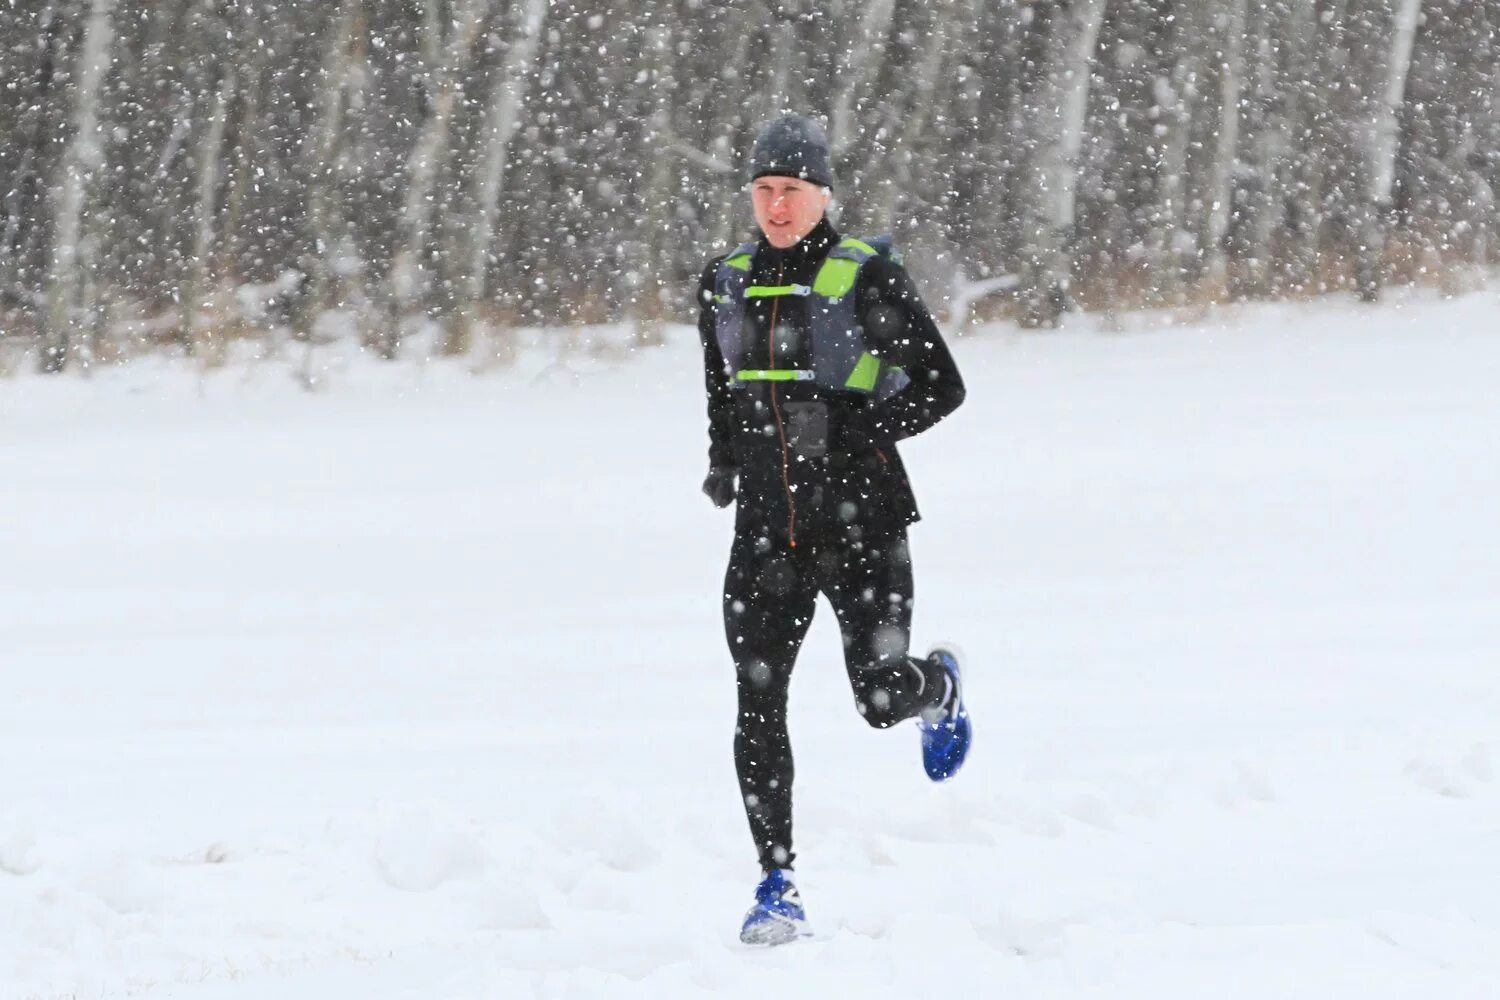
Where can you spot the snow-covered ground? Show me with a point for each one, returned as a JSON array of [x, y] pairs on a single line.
[[416, 688]]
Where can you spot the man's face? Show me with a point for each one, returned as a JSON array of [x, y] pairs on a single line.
[[787, 209]]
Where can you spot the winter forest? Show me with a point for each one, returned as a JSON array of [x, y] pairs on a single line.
[[185, 173]]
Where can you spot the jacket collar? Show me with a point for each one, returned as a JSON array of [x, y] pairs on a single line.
[[822, 238]]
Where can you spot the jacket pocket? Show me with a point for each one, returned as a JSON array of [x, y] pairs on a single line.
[[806, 429]]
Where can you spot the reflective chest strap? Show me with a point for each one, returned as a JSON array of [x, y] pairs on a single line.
[[775, 375], [776, 291]]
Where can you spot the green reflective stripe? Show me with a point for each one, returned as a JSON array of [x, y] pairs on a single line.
[[775, 375], [865, 373], [835, 277], [740, 261], [773, 291], [860, 245]]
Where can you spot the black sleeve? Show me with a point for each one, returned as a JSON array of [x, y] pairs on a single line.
[[715, 381], [896, 319]]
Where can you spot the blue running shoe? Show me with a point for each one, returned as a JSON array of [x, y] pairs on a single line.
[[777, 916], [946, 732]]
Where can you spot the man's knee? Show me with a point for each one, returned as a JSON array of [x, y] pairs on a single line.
[[876, 706], [876, 647]]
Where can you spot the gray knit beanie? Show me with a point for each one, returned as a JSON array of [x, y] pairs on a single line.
[[792, 146]]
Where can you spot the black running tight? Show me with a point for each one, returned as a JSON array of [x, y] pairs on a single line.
[[769, 596]]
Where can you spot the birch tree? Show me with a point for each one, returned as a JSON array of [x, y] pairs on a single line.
[[1230, 46], [448, 62], [651, 265], [322, 155], [501, 121], [208, 161], [81, 160], [1180, 98], [1381, 145], [1054, 139], [24, 159], [1266, 148], [858, 66]]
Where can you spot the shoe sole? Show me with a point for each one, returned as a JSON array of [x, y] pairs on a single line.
[[773, 931]]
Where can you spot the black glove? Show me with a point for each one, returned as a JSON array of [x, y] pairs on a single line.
[[718, 485]]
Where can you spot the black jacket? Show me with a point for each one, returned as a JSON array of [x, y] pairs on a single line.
[[817, 465]]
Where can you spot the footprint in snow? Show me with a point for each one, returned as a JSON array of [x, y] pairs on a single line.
[[1435, 778], [1245, 786]]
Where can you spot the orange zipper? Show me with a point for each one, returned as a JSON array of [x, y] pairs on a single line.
[[786, 477]]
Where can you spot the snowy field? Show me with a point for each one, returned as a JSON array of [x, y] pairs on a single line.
[[415, 687]]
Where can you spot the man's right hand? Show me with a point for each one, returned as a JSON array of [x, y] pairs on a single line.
[[718, 486]]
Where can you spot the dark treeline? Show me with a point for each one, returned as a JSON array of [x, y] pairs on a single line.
[[189, 171]]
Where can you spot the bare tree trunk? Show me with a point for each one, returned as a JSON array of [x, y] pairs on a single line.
[[659, 199], [1221, 185], [82, 158], [323, 171], [447, 67], [858, 67], [30, 135], [1267, 124], [203, 221], [1383, 140], [726, 214], [511, 85], [1301, 179], [1481, 80], [1056, 126], [781, 22], [1000, 123], [1173, 236], [920, 107], [248, 148]]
